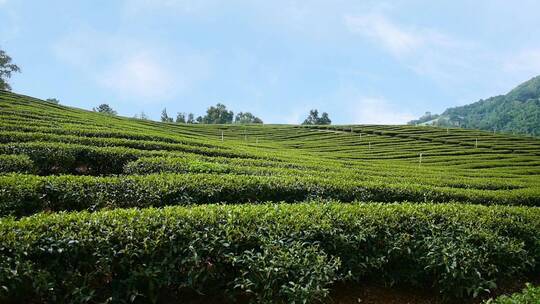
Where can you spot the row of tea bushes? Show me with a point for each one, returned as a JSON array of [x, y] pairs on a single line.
[[26, 194], [272, 253], [16, 163], [529, 295]]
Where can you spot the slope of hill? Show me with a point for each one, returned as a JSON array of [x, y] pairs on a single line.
[[352, 217], [516, 112]]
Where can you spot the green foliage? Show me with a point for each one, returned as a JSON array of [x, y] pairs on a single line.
[[529, 295], [314, 119], [174, 165], [217, 115], [180, 117], [6, 70], [427, 117], [57, 193], [247, 118], [165, 117], [16, 163], [74, 159], [141, 116], [516, 112], [58, 159], [271, 253], [52, 100], [105, 109]]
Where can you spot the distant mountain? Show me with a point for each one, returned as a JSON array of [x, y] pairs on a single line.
[[516, 112]]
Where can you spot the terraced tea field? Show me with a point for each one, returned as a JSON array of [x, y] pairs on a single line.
[[98, 208]]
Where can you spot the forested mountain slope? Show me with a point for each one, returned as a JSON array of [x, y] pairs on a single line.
[[516, 112]]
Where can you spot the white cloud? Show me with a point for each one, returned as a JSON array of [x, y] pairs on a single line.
[[132, 69], [395, 39], [375, 110], [139, 75], [426, 51]]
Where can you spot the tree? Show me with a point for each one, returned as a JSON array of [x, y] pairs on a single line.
[[217, 115], [424, 118], [314, 119], [6, 69], [190, 118], [180, 117], [52, 100], [105, 109], [165, 117], [141, 116], [247, 118], [325, 119]]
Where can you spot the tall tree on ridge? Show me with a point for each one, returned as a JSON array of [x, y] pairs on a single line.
[[6, 69]]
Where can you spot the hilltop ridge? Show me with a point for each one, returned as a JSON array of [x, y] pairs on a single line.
[[518, 111]]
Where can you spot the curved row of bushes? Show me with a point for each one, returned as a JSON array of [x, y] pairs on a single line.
[[16, 163], [54, 158], [268, 253], [26, 194], [388, 174]]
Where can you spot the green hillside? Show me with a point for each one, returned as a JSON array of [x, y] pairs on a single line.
[[97, 208], [516, 112]]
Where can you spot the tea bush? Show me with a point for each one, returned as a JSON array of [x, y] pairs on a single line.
[[529, 295], [273, 253], [16, 163]]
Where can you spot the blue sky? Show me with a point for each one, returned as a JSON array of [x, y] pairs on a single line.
[[360, 61]]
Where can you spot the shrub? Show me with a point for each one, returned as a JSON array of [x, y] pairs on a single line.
[[57, 193], [271, 253], [529, 295], [174, 165], [16, 163]]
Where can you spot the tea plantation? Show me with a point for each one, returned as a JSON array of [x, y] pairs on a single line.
[[105, 209]]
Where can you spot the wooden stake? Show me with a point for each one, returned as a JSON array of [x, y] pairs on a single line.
[[221, 135], [420, 161]]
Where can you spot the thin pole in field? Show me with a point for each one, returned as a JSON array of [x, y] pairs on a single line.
[[221, 135], [369, 145], [476, 143], [420, 160], [447, 131]]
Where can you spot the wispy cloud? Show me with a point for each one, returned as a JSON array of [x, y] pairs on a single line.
[[139, 75], [131, 69], [393, 38], [424, 50]]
